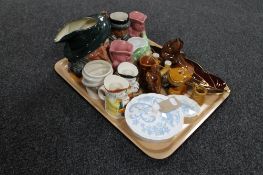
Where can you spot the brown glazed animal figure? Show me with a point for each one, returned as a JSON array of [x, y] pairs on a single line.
[[171, 51]]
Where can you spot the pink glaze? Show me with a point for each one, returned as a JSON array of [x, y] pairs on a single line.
[[120, 51], [137, 23]]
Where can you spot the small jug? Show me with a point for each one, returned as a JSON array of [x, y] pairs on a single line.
[[120, 51], [137, 23], [114, 93], [198, 94], [145, 65]]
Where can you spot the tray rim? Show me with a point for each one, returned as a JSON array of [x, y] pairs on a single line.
[[191, 128]]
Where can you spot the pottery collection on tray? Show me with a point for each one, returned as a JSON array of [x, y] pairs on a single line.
[[155, 90]]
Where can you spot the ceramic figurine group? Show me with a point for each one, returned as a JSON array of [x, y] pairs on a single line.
[[112, 55]]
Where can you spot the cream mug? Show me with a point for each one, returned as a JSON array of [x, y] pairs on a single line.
[[114, 93], [93, 75]]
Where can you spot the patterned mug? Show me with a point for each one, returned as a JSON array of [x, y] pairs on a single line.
[[114, 93]]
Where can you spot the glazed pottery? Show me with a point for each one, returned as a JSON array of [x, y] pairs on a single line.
[[143, 117], [137, 23], [101, 53], [96, 71], [92, 88], [188, 108], [93, 75], [153, 79], [171, 50], [114, 93], [165, 72], [145, 64], [81, 37], [120, 51], [211, 82], [140, 47], [119, 26], [198, 94], [178, 90], [179, 76], [129, 71]]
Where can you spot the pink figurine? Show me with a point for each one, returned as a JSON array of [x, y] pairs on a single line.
[[120, 51], [137, 23]]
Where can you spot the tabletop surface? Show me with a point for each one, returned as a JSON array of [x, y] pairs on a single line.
[[47, 128]]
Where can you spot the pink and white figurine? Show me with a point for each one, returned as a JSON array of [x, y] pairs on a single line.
[[137, 26], [120, 51]]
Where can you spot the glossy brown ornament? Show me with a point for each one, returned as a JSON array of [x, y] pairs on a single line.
[[198, 94], [171, 51], [211, 82], [153, 79], [145, 64]]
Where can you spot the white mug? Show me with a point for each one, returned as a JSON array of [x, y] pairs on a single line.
[[93, 75], [114, 93]]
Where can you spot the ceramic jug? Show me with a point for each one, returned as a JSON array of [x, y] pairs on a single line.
[[114, 93], [120, 24], [137, 23], [145, 65], [153, 79], [81, 37], [140, 47], [120, 51]]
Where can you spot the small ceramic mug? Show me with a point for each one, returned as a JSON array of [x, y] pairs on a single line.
[[120, 51], [93, 75], [198, 94], [130, 72], [114, 93]]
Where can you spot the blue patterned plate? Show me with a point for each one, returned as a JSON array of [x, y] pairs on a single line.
[[147, 122]]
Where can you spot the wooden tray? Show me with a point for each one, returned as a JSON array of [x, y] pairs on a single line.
[[157, 150]]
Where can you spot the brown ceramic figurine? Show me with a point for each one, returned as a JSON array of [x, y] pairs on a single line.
[[181, 71], [171, 51], [145, 64], [153, 79]]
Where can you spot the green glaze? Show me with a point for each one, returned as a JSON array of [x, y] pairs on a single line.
[[81, 37]]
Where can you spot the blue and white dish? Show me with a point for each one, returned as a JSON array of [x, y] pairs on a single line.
[[145, 120]]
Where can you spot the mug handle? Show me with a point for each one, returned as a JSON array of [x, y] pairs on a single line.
[[101, 92]]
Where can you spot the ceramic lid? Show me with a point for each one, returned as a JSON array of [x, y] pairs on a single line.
[[189, 107], [145, 120]]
